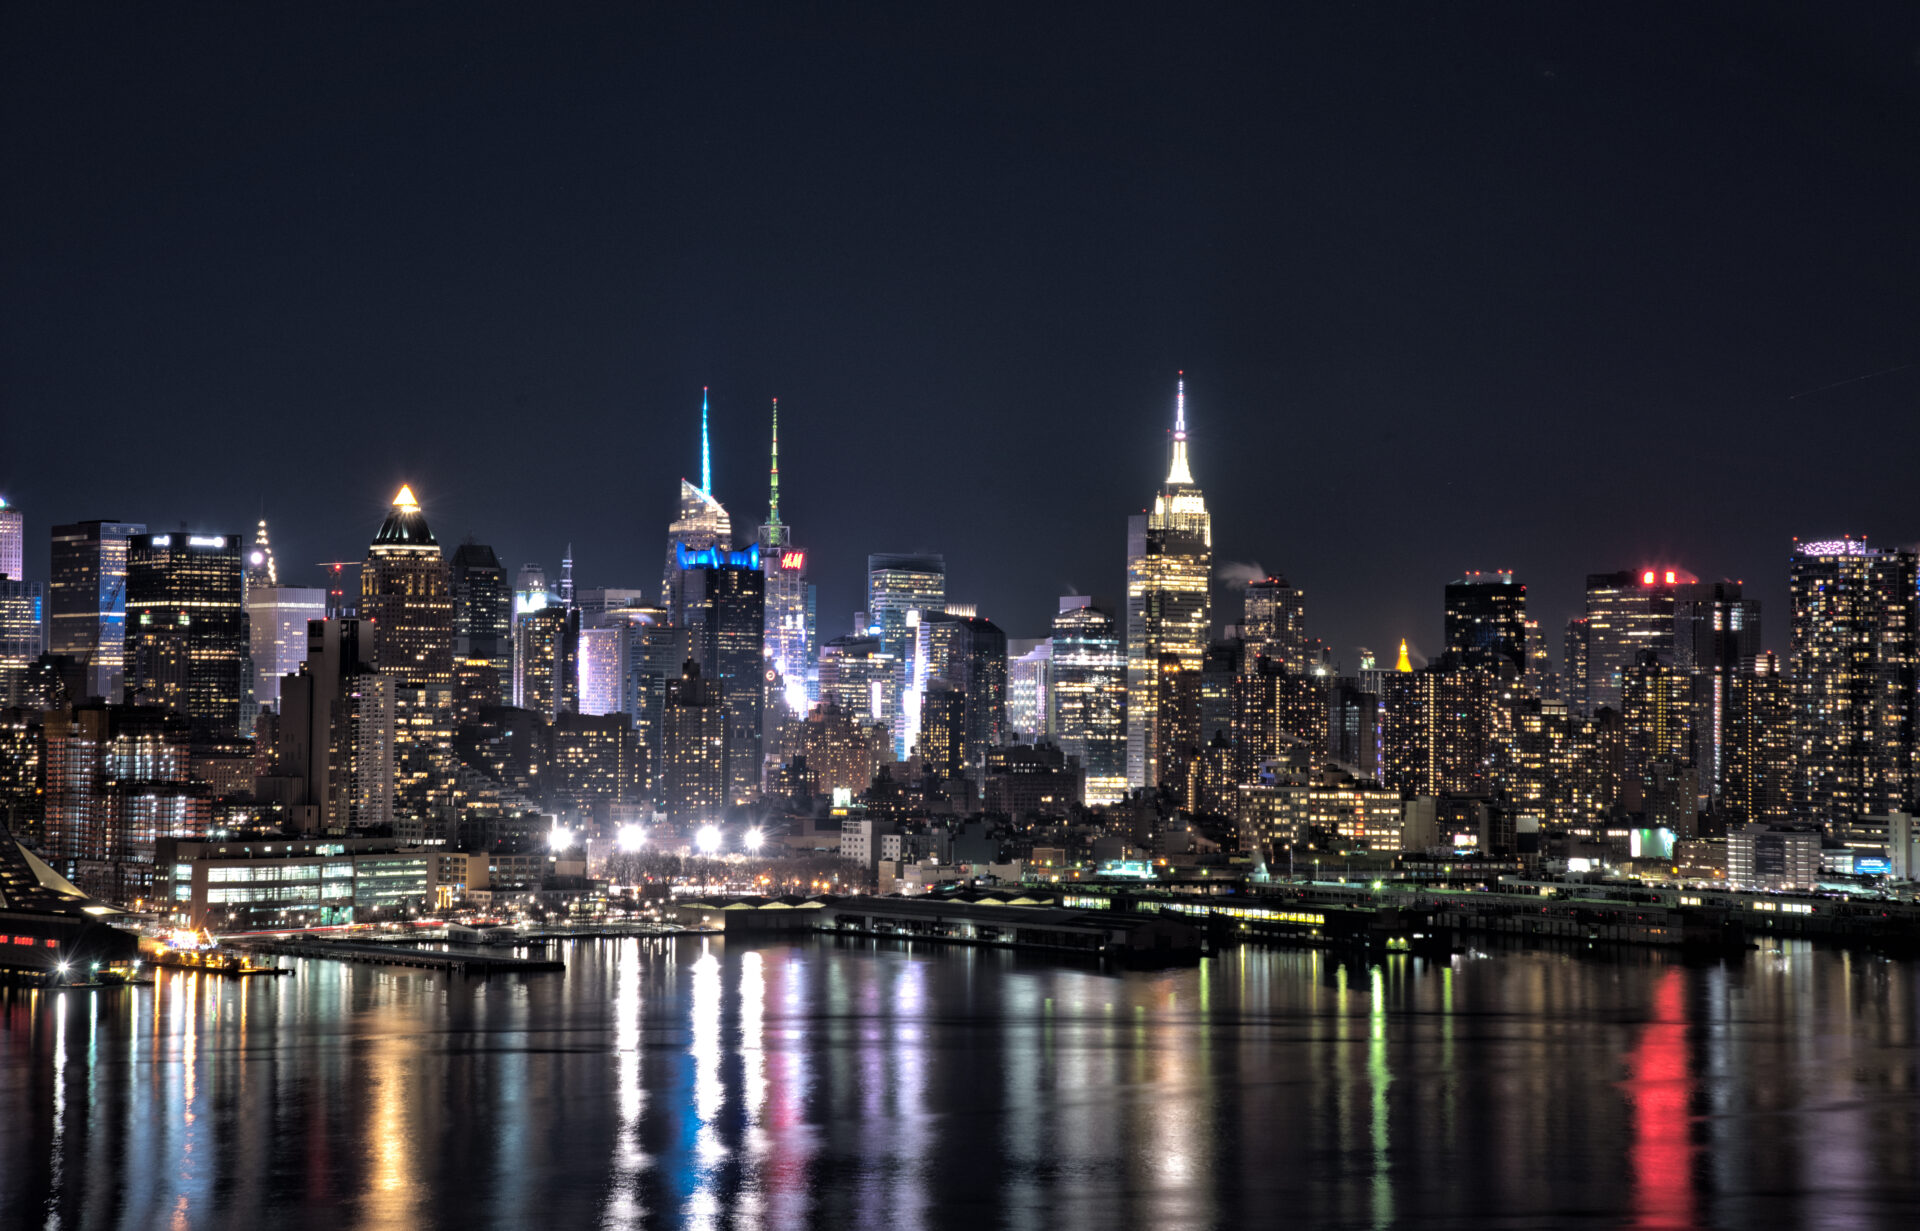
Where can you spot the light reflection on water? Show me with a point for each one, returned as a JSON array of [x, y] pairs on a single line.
[[837, 1083]]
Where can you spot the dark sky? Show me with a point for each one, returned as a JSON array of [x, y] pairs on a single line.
[[1542, 286]]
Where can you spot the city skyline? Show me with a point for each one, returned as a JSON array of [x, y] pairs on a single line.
[[1117, 616], [1230, 578], [1527, 365]]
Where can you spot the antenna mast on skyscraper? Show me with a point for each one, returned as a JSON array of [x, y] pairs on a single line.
[[706, 451], [773, 483], [1178, 473]]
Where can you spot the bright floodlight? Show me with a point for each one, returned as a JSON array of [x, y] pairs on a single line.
[[632, 837], [754, 839], [708, 838], [559, 838]]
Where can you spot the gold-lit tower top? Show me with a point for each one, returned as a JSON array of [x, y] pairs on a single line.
[[404, 500], [1406, 662]]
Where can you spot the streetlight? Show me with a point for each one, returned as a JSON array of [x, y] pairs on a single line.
[[632, 838], [708, 839], [559, 839], [754, 839]]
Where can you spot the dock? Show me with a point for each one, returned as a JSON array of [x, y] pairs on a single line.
[[402, 955]]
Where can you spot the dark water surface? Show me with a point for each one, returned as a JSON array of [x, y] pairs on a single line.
[[825, 1083]]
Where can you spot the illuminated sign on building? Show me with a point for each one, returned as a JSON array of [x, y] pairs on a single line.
[[713, 557], [1650, 843], [206, 541], [793, 559], [1835, 547]]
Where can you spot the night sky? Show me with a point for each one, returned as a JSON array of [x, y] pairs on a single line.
[[1545, 287]]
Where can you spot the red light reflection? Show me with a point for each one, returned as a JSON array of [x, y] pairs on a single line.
[[1660, 1088]]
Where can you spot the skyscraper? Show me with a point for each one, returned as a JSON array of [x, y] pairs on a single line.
[[118, 779], [262, 570], [841, 752], [1656, 713], [1854, 659], [406, 594], [1540, 676], [657, 651], [13, 542], [603, 668], [277, 618], [1275, 623], [87, 601], [547, 662], [337, 730], [1486, 621], [1436, 730], [482, 629], [187, 638], [900, 589], [530, 590], [967, 657], [942, 739], [1087, 690], [1627, 612], [1757, 740], [857, 676], [702, 524], [1272, 709], [1716, 636], [726, 611], [22, 635], [1353, 727], [785, 566], [1573, 671], [1169, 607], [1028, 669], [694, 777]]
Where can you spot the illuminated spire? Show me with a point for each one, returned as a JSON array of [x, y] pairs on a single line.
[[1405, 663], [706, 451], [1178, 474], [404, 500], [566, 579], [773, 484], [260, 566]]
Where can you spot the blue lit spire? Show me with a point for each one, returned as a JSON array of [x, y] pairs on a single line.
[[706, 449]]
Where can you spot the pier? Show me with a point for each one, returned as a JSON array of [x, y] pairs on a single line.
[[403, 955]]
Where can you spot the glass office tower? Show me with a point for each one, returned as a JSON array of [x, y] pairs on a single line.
[[87, 601], [187, 638]]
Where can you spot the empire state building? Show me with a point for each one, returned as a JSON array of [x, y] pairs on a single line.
[[1169, 609]]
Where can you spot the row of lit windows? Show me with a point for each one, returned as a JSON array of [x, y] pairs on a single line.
[[278, 872], [230, 895]]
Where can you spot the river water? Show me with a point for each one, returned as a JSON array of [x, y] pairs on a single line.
[[839, 1083]]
